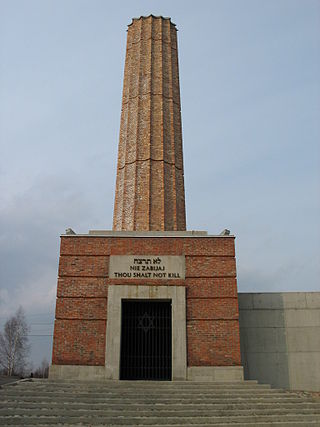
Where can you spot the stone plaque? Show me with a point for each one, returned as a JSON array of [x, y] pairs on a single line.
[[147, 267]]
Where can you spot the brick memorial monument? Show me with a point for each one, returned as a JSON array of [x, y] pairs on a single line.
[[148, 300]]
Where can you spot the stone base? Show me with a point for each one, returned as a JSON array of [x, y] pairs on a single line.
[[100, 373], [215, 373], [77, 372]]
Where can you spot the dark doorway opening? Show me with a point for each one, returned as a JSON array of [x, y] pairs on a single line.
[[146, 349]]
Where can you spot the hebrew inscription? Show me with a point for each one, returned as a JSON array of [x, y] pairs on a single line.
[[147, 267]]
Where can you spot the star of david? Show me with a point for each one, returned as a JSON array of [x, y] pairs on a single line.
[[145, 322]]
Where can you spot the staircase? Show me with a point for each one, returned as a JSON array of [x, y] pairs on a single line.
[[127, 403]]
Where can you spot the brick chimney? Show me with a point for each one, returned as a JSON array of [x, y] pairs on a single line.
[[150, 182]]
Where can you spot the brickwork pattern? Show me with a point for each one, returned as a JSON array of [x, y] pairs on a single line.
[[79, 341], [211, 291], [150, 179]]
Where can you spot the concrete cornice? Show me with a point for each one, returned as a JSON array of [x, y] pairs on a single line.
[[149, 234]]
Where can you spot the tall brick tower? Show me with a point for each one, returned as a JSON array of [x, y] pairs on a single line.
[[150, 184], [148, 300]]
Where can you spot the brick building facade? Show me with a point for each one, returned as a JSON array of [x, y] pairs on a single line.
[[148, 262]]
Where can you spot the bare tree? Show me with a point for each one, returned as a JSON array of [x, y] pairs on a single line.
[[43, 370], [14, 344]]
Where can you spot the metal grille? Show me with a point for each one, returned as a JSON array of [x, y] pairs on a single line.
[[146, 340]]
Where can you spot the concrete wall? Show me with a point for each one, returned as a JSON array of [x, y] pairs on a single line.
[[280, 339]]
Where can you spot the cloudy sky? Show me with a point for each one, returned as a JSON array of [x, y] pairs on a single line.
[[250, 90]]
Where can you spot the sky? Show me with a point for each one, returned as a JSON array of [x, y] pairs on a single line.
[[250, 93]]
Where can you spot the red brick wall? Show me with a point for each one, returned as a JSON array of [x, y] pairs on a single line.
[[150, 182], [79, 342], [211, 290]]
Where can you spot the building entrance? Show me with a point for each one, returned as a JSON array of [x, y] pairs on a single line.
[[146, 336]]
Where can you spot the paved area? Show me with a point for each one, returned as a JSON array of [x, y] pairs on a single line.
[[7, 380]]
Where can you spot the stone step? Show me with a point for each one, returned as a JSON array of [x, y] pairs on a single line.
[[156, 411], [174, 407], [143, 394], [160, 386], [146, 390], [147, 394], [253, 423], [167, 400], [154, 400], [111, 387], [47, 403], [145, 384], [231, 424], [133, 421]]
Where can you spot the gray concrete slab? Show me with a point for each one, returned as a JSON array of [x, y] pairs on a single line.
[[266, 340], [215, 373], [280, 338], [261, 318], [294, 300], [303, 339], [267, 368], [245, 301], [304, 371], [300, 317], [270, 301], [313, 299]]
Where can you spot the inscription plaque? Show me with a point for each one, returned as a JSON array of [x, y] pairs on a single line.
[[147, 267]]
